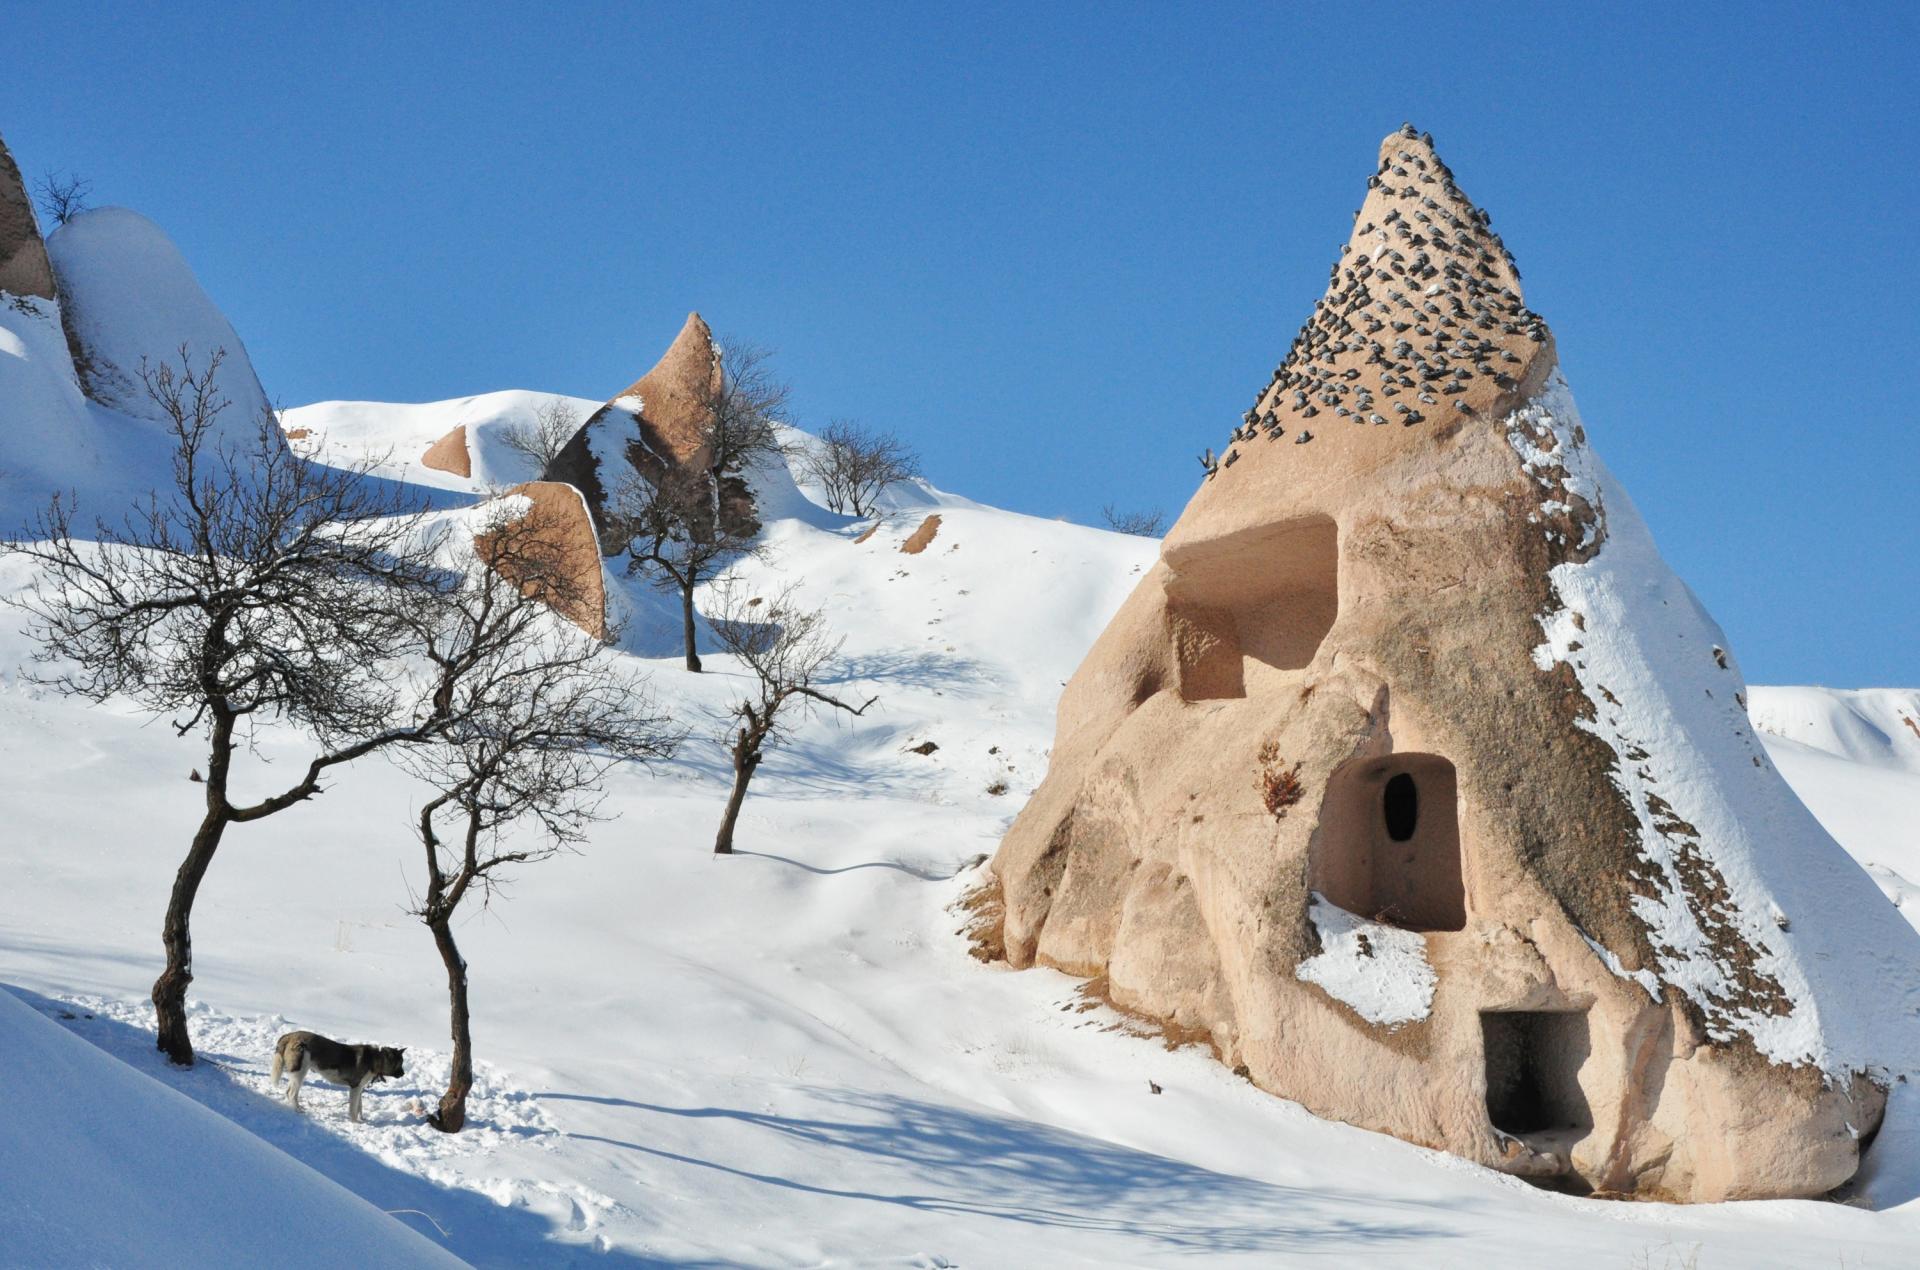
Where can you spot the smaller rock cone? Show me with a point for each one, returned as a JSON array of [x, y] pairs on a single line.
[[449, 453], [561, 567]]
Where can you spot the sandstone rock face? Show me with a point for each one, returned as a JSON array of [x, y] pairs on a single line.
[[23, 257], [662, 421], [1413, 780], [449, 453], [565, 570]]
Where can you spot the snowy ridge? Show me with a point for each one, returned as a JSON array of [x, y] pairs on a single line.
[[1755, 913], [130, 295], [1876, 726], [394, 437]]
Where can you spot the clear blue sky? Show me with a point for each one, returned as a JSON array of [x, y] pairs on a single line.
[[1057, 246]]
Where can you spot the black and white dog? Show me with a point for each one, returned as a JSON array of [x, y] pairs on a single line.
[[355, 1066]]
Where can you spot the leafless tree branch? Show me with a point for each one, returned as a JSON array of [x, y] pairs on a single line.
[[855, 464]]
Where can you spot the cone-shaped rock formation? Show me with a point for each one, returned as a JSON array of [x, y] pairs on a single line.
[[23, 257], [662, 421], [1412, 779]]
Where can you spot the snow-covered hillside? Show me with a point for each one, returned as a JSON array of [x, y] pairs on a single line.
[[786, 1057], [1854, 759], [85, 1138]]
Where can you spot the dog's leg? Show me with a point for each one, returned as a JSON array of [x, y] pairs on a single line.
[[298, 1077], [353, 1100]]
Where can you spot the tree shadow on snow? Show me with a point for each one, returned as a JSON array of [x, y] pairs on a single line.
[[924, 875], [953, 1162], [931, 670], [477, 1229]]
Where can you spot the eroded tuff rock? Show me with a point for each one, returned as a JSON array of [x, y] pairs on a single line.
[[1413, 780], [23, 256], [551, 553], [663, 421], [449, 453]]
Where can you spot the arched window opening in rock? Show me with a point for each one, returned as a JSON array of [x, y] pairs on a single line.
[[1401, 807], [1388, 842], [1252, 604], [1533, 1060]]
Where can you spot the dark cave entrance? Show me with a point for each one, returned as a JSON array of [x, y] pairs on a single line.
[[1533, 1060]]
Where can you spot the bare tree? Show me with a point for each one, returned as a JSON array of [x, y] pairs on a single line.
[[854, 464], [746, 407], [1147, 523], [677, 540], [61, 197], [258, 589], [683, 524], [553, 425], [544, 714], [790, 651]]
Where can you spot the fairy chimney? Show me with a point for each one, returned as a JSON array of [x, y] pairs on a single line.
[[1413, 780], [23, 256], [663, 422]]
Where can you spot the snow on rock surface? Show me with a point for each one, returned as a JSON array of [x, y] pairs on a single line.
[[129, 294], [103, 1166], [1381, 971], [47, 434], [1755, 912]]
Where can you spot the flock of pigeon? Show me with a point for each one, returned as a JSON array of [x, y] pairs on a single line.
[[1420, 305]]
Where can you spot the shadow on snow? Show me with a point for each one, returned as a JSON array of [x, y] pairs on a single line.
[[1028, 1174]]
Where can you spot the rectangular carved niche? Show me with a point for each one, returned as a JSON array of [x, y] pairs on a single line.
[[1263, 597], [1388, 845]]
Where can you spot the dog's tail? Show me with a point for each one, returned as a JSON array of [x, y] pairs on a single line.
[[282, 1058]]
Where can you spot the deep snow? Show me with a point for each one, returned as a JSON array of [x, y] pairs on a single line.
[[130, 297], [786, 1057], [85, 1139]]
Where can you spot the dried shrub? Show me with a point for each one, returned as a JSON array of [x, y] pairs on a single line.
[[1279, 786], [984, 929]]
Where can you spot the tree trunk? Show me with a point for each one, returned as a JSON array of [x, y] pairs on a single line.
[[742, 773], [176, 933], [452, 1115], [686, 614]]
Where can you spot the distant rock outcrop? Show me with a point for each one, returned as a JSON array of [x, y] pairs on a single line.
[[1414, 781], [662, 422], [24, 269], [449, 453], [565, 573], [918, 540]]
